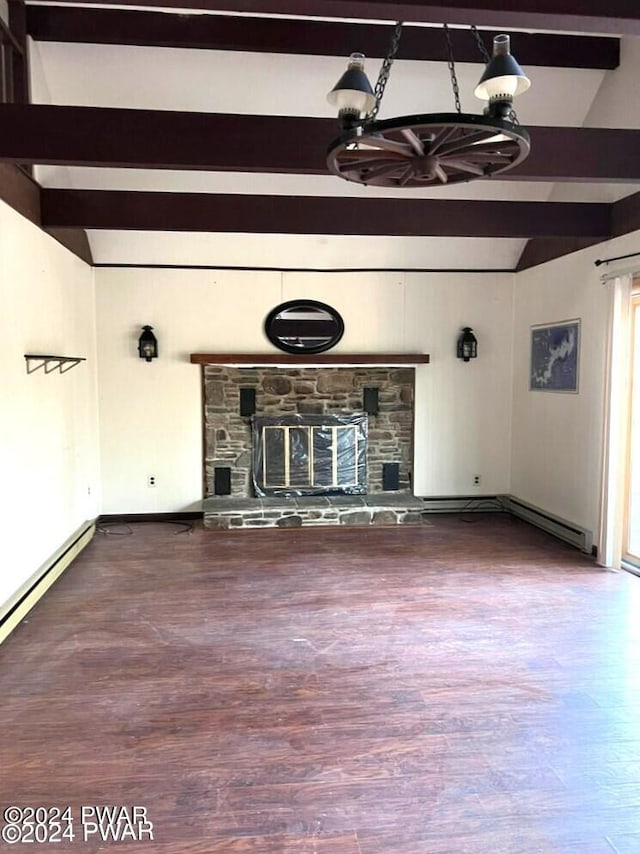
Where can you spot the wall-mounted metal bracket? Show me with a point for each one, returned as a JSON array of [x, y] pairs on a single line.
[[51, 363]]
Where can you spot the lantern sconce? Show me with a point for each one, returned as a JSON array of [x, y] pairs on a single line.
[[147, 344], [467, 345]]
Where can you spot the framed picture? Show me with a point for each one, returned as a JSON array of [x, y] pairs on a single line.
[[555, 356]]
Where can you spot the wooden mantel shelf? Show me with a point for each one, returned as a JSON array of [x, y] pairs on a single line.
[[319, 360]]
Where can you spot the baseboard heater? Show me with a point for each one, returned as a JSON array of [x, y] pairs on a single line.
[[125, 518], [579, 537], [17, 608], [464, 504]]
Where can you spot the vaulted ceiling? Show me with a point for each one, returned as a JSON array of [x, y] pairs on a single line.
[[198, 137]]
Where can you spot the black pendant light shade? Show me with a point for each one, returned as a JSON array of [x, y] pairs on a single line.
[[352, 94], [503, 79]]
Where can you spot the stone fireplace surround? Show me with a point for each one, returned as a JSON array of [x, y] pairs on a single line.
[[317, 389]]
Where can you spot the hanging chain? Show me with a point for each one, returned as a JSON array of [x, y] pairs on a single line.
[[513, 118], [481, 45], [452, 70], [385, 70]]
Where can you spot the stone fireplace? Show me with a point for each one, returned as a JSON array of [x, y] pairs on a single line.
[[305, 451]]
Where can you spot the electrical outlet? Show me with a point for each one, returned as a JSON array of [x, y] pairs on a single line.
[[476, 479], [151, 480]]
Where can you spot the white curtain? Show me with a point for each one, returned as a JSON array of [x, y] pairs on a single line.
[[616, 419]]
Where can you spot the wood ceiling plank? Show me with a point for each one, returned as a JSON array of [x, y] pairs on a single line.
[[298, 36]]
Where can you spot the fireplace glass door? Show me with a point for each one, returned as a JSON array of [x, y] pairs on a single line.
[[310, 455]]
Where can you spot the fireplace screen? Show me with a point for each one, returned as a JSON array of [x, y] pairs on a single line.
[[310, 454]]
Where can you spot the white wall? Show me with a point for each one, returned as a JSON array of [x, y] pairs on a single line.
[[545, 448], [557, 438], [463, 410], [556, 456], [150, 414], [48, 423]]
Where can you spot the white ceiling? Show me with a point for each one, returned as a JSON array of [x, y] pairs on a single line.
[[236, 82], [214, 81], [296, 251]]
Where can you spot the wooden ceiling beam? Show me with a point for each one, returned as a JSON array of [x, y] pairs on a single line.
[[298, 36], [161, 139], [539, 250], [621, 17], [22, 193], [625, 215], [625, 218], [19, 53], [157, 211]]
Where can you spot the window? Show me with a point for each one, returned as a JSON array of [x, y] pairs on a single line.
[[631, 536]]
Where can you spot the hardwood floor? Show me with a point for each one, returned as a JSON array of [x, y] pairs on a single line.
[[433, 689]]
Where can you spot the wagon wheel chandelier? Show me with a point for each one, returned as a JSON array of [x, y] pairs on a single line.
[[431, 149]]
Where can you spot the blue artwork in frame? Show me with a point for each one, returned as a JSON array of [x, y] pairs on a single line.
[[555, 353]]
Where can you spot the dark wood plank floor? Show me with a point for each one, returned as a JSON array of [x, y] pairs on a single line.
[[438, 689]]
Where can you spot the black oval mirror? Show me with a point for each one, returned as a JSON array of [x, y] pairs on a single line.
[[304, 326]]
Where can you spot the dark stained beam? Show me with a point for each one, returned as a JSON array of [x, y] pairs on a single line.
[[298, 36], [20, 86], [75, 240], [7, 37], [588, 16], [160, 139], [18, 25], [577, 154], [625, 215], [539, 250], [625, 218], [320, 215], [20, 191]]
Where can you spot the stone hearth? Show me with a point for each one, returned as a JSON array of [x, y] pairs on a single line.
[[294, 512]]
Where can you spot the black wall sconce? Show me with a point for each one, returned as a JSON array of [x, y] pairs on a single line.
[[467, 345], [147, 344]]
